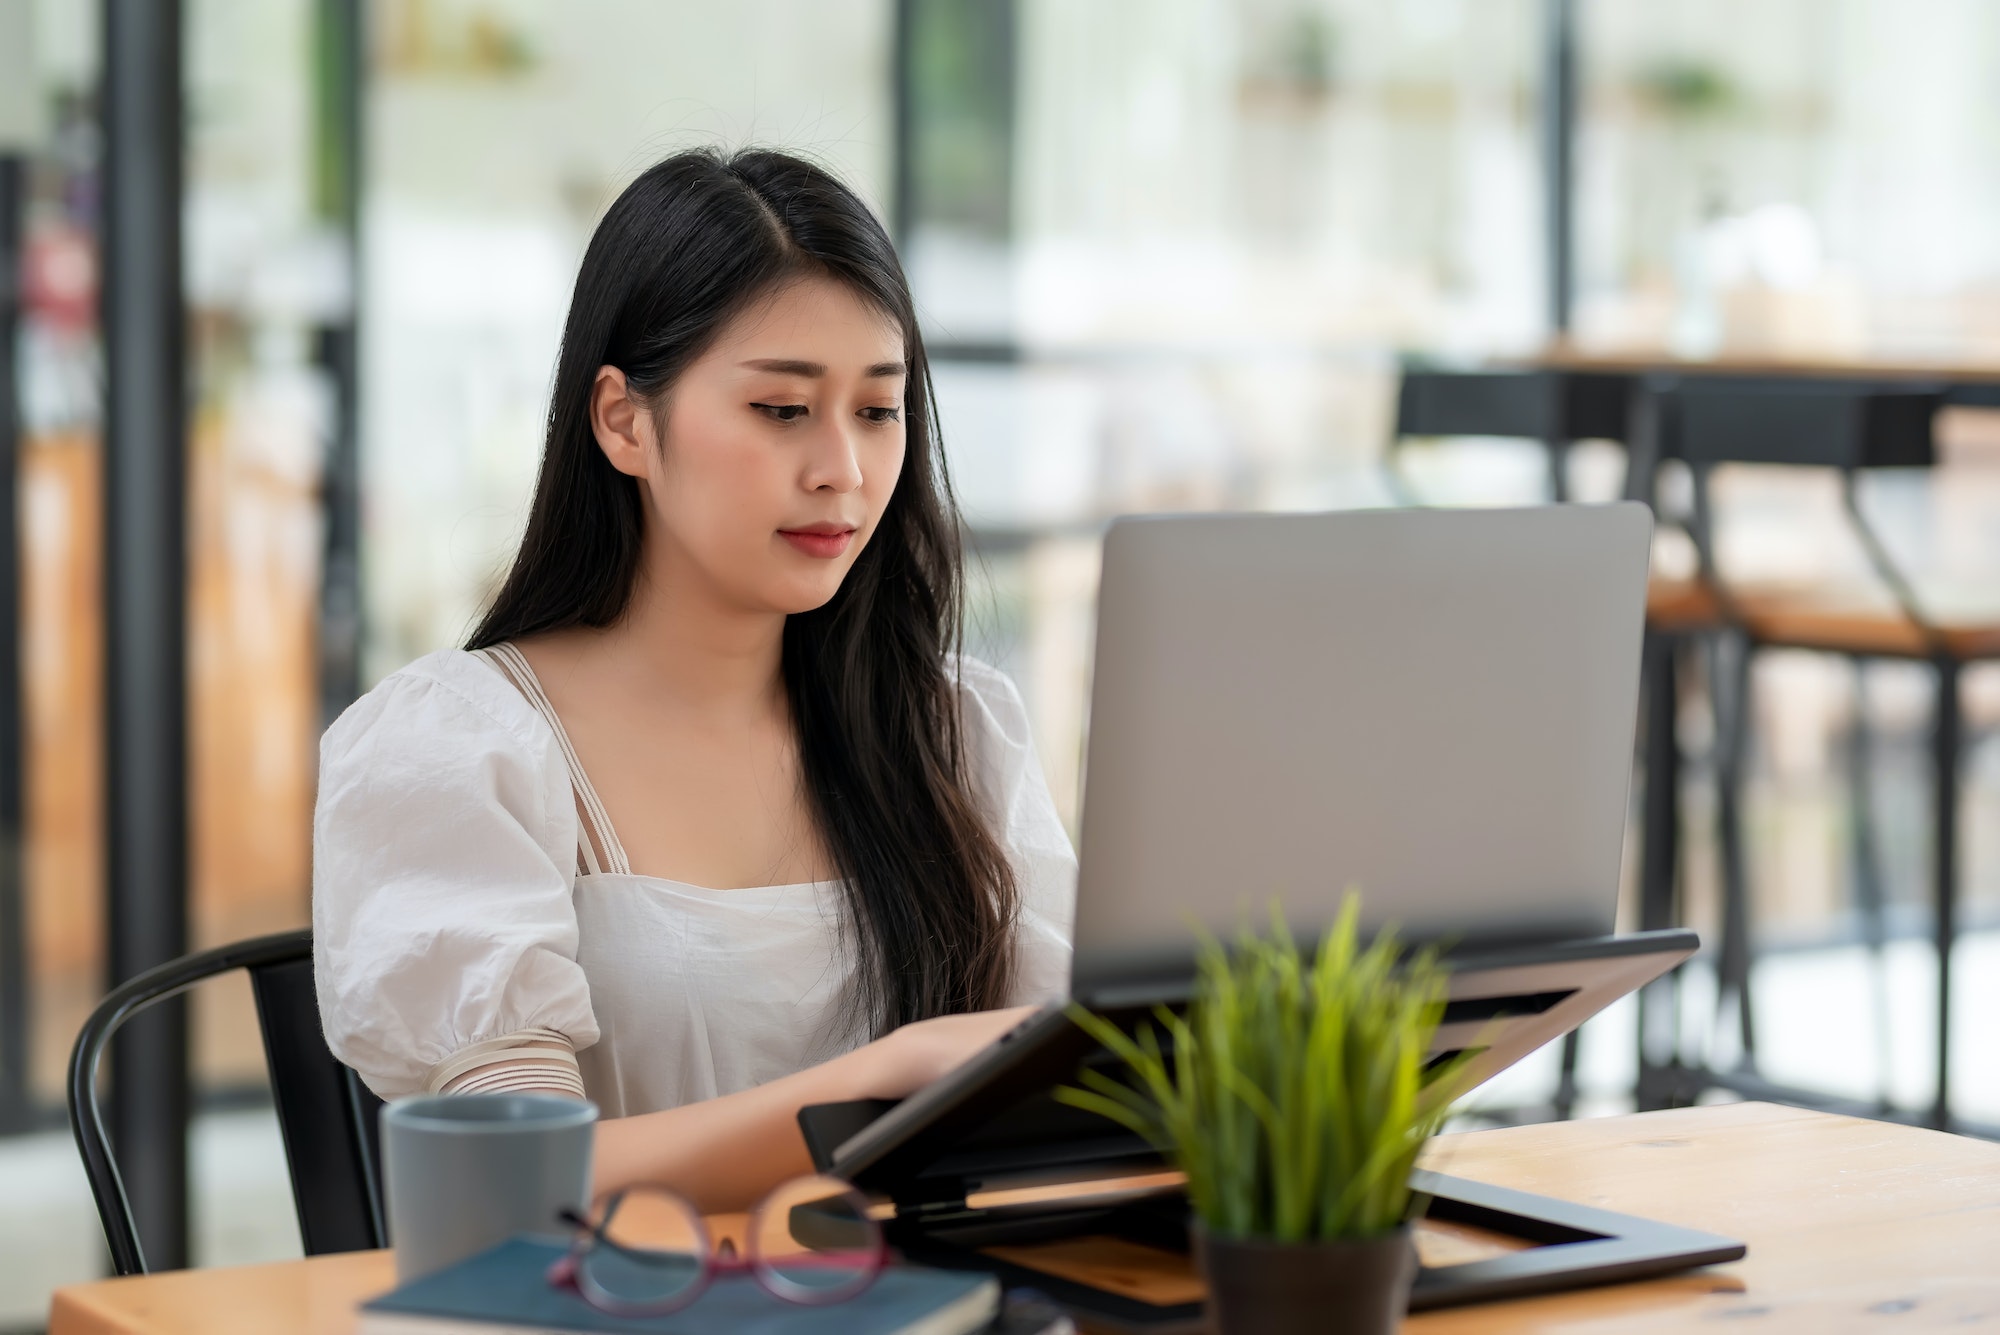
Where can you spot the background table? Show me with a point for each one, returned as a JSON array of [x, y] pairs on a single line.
[[1851, 1225]]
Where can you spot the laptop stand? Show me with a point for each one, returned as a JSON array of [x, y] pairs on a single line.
[[1568, 1246], [1121, 1261]]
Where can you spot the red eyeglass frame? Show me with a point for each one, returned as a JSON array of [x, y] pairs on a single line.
[[567, 1270]]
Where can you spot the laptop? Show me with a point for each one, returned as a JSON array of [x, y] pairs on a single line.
[[1433, 708]]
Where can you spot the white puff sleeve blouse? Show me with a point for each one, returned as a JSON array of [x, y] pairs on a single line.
[[455, 925]]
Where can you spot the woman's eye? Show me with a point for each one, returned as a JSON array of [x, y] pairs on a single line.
[[781, 412], [883, 414]]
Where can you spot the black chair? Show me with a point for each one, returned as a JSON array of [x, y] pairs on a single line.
[[1847, 427], [1704, 420], [326, 1116], [1553, 407]]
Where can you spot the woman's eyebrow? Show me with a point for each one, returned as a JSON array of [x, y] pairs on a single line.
[[815, 370]]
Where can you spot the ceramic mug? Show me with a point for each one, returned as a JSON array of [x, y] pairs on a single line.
[[468, 1171]]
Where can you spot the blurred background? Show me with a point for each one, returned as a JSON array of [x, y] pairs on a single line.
[[1169, 254]]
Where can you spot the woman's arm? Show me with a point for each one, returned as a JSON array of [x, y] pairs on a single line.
[[724, 1153]]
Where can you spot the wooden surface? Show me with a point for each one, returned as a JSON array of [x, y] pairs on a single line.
[[1851, 1225], [1842, 1216], [1563, 357], [1851, 619]]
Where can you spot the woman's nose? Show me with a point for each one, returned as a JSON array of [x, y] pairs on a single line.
[[835, 462]]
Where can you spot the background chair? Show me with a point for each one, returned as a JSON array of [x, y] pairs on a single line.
[[1553, 407], [1714, 420], [326, 1116]]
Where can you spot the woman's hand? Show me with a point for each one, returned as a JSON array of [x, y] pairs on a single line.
[[723, 1153], [907, 1059]]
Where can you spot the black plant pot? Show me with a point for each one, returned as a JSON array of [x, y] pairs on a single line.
[[1257, 1287]]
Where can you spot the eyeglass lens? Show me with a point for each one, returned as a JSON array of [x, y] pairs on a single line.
[[813, 1241], [651, 1250]]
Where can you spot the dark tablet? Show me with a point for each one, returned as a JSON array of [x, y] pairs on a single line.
[[994, 1118]]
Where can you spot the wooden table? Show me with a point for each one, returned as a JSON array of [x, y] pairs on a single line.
[[1963, 382], [1852, 1225]]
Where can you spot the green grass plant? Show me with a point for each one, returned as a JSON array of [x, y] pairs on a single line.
[[1294, 1094]]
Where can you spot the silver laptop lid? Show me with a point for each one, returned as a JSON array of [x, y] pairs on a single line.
[[1435, 707]]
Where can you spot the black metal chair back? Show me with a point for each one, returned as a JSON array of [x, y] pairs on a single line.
[[1742, 420], [1846, 427], [326, 1116], [1530, 405], [1552, 407]]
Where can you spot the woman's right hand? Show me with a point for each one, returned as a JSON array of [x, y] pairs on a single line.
[[905, 1060]]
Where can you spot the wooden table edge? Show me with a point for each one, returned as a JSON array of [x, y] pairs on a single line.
[[319, 1295]]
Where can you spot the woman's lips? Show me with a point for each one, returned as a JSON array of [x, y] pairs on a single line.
[[820, 542]]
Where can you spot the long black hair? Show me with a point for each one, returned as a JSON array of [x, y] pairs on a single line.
[[695, 240]]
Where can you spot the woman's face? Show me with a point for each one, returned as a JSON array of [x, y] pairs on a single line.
[[771, 459]]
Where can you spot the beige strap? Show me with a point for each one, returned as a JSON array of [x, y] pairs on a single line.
[[537, 1060], [597, 848]]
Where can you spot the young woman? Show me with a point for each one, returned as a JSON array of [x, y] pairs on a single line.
[[708, 821]]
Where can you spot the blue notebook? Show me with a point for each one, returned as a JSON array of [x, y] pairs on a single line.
[[505, 1291]]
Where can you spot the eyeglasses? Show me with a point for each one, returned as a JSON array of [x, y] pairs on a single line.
[[646, 1252]]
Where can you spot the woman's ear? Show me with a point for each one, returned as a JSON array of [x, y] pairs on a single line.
[[623, 426]]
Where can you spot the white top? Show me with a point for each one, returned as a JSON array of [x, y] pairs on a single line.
[[458, 913]]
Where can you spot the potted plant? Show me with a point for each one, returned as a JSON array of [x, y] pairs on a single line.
[[1295, 1096]]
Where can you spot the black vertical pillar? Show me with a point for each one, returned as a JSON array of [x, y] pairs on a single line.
[[145, 570], [1559, 114], [903, 116], [1945, 744], [339, 67], [1659, 852], [15, 1101]]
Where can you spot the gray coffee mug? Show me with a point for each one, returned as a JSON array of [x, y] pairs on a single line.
[[468, 1171]]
